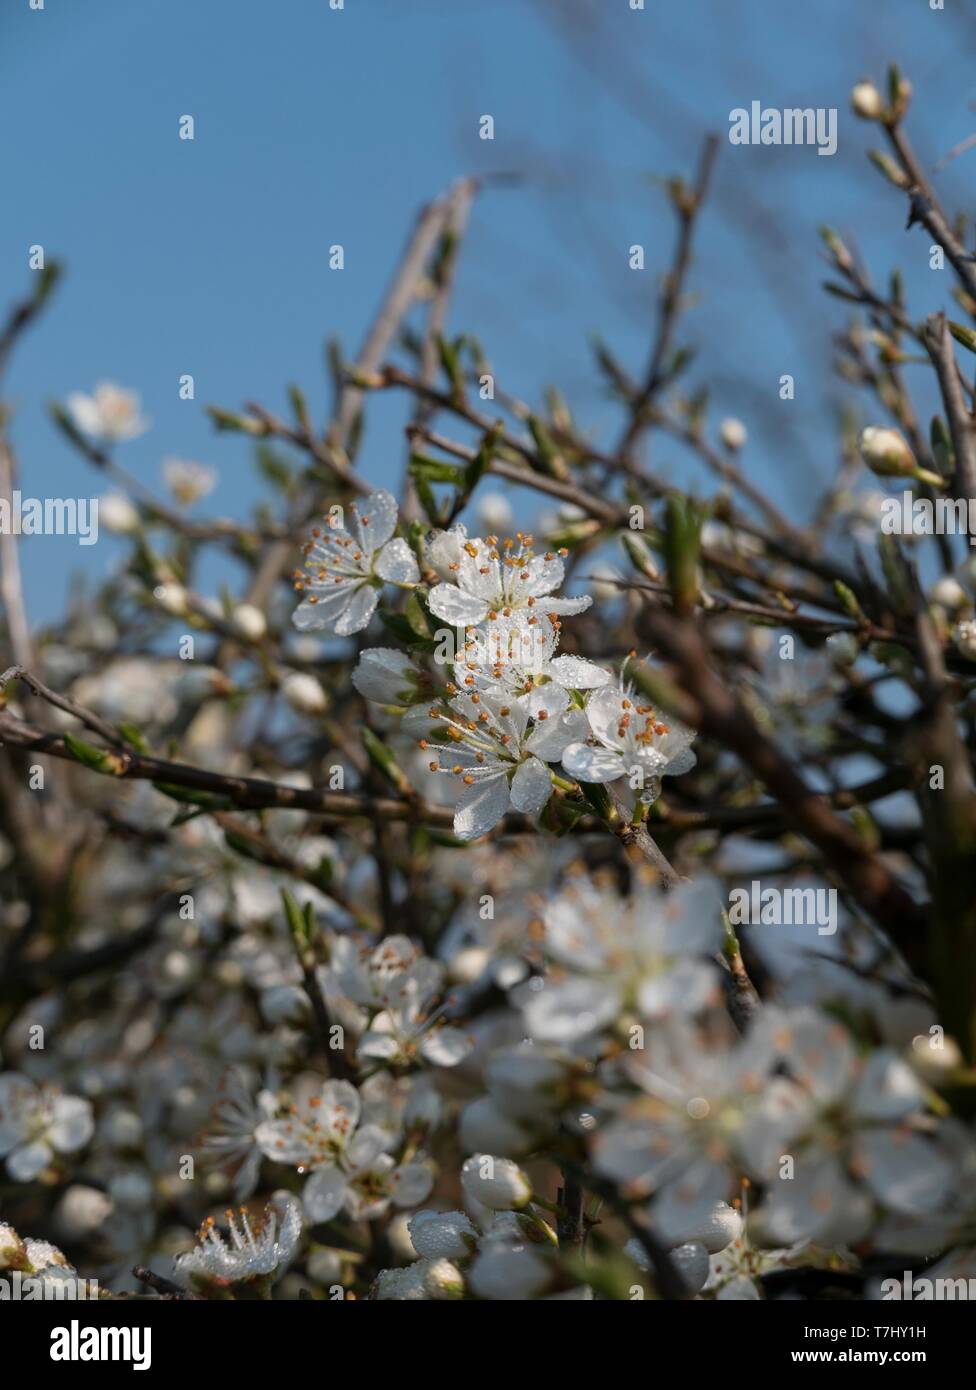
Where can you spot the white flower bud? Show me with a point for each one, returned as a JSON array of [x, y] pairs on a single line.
[[443, 1280], [485, 1128], [949, 594], [171, 598], [469, 965], [249, 621], [324, 1266], [11, 1247], [79, 1213], [121, 1129], [842, 648], [495, 1182], [965, 639], [116, 513], [867, 102], [495, 512], [935, 1063], [404, 1285], [732, 433], [304, 693], [886, 452], [438, 1235], [188, 481], [132, 1189]]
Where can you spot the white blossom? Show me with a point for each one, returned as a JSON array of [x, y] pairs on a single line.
[[252, 1249], [36, 1124], [350, 1163], [110, 413], [345, 570], [188, 481], [629, 739], [492, 578]]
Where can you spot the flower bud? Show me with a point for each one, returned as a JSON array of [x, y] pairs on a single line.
[[886, 452], [440, 1235], [118, 514], [495, 513], [171, 598], [732, 433], [867, 102], [495, 1182], [80, 1212], [249, 621], [304, 693], [842, 648], [443, 1280], [11, 1248], [949, 594], [965, 639]]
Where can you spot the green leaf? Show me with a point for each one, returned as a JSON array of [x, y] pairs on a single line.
[[208, 801], [966, 336], [682, 547], [436, 470], [599, 798], [299, 407], [132, 735], [849, 600], [99, 759], [382, 758], [301, 924]]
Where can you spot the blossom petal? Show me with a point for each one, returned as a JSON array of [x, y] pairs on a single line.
[[411, 1183], [366, 1147], [375, 519], [397, 563], [565, 1012], [358, 611], [340, 1108], [456, 607], [445, 1047], [550, 739], [566, 606], [544, 575], [604, 710], [593, 764], [574, 673], [904, 1171], [324, 605], [481, 806], [27, 1161], [531, 787], [72, 1125], [324, 1195], [684, 1206], [386, 676]]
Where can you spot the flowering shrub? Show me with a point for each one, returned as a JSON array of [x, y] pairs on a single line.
[[580, 914]]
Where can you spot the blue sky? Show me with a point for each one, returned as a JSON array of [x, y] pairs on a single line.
[[316, 126]]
